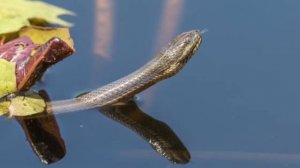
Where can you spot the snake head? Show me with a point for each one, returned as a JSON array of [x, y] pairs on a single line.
[[179, 51]]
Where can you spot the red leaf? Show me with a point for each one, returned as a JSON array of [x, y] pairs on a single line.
[[32, 60]]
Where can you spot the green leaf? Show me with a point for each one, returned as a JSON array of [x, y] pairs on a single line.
[[40, 35], [15, 14], [28, 104], [4, 107], [8, 82]]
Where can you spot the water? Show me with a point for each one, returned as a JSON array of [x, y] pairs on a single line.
[[234, 105]]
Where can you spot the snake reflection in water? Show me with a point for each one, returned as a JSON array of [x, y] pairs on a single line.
[[165, 64]]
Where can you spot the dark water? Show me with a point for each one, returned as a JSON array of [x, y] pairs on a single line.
[[236, 104]]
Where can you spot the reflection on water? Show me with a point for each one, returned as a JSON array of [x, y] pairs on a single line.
[[170, 19], [104, 27], [104, 24], [43, 133], [44, 137], [157, 133]]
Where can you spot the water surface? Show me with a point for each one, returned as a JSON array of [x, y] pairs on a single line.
[[236, 104]]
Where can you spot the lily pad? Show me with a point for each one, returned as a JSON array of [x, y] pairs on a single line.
[[28, 104], [8, 82], [15, 14], [22, 63], [4, 105], [40, 35]]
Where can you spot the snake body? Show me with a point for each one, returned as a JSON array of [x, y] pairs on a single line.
[[165, 64]]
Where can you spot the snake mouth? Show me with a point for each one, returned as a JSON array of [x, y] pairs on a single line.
[[198, 40]]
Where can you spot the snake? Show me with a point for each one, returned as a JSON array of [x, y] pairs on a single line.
[[168, 62]]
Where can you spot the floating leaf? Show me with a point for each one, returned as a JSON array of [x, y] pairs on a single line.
[[40, 35], [22, 63], [4, 107], [8, 82], [28, 104], [15, 14], [32, 60]]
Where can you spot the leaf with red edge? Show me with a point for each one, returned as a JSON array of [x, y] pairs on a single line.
[[29, 61], [32, 60]]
